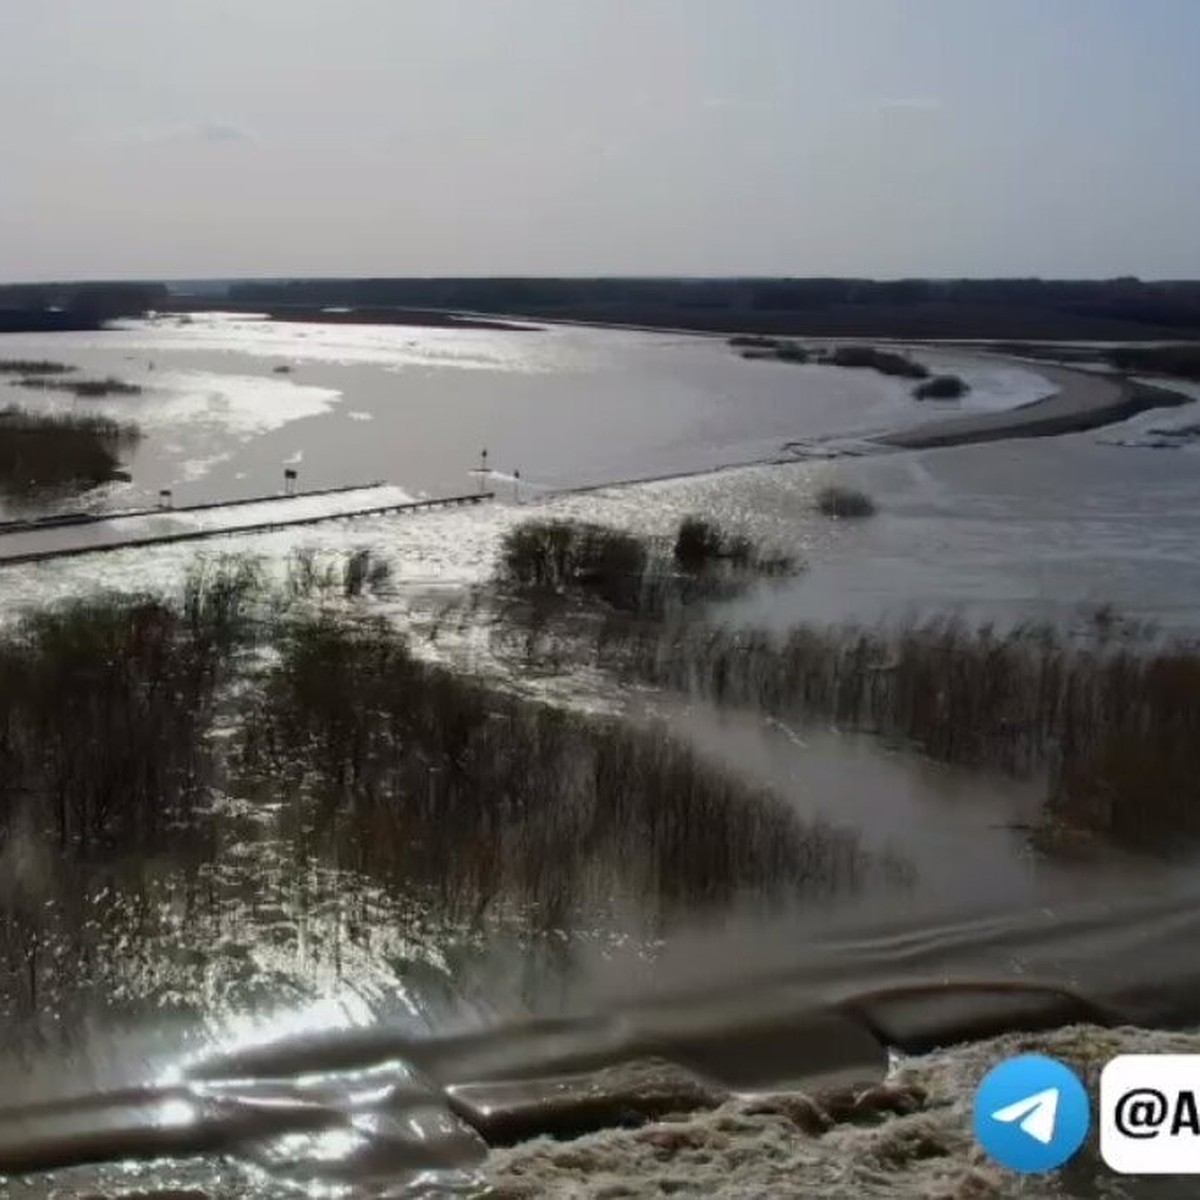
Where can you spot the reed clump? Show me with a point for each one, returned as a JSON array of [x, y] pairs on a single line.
[[778, 349], [56, 453], [87, 389], [364, 571], [649, 576], [104, 704], [753, 341], [837, 500], [434, 785], [33, 366], [573, 556], [941, 387], [886, 362], [1113, 722], [437, 782]]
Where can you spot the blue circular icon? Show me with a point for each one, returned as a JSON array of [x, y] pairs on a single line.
[[1031, 1113]]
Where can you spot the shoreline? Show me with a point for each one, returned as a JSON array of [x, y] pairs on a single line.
[[910, 1136], [1081, 401]]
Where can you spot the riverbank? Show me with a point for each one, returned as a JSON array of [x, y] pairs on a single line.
[[908, 1138], [1082, 401]]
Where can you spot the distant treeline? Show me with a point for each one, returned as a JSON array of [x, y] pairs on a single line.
[[1183, 362], [998, 308], [58, 307]]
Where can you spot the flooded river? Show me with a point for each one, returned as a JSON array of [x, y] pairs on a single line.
[[142, 989]]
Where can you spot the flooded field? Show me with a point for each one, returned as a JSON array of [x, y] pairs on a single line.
[[348, 793]]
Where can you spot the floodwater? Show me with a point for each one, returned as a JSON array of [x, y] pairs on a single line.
[[151, 984], [563, 406]]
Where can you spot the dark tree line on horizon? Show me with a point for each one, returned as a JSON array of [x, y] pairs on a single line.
[[1125, 308], [1109, 309], [66, 307]]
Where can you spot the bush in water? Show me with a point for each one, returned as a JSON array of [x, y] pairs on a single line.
[[941, 387], [837, 501]]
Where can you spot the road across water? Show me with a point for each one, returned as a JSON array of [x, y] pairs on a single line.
[[206, 521]]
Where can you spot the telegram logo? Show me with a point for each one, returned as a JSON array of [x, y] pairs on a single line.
[[1031, 1113]]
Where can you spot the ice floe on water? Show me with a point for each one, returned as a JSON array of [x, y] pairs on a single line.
[[344, 343], [912, 1139], [178, 401]]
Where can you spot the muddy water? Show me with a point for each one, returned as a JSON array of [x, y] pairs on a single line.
[[154, 989]]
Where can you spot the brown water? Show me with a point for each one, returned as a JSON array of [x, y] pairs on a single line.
[[150, 985]]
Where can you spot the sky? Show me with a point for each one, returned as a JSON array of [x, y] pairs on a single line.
[[883, 138]]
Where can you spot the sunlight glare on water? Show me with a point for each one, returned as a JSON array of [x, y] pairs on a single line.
[[261, 947]]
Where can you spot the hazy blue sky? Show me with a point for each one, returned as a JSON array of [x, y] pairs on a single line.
[[812, 137]]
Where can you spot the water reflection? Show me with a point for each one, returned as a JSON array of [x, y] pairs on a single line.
[[265, 807]]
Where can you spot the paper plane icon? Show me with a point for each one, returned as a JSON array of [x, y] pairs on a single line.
[[1035, 1115]]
